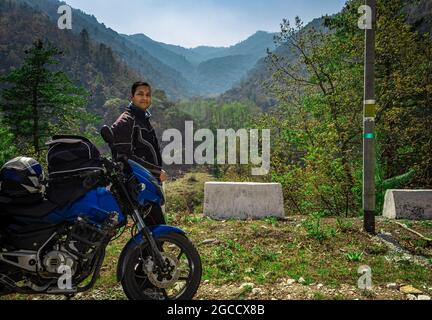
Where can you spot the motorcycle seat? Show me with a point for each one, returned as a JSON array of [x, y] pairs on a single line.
[[36, 210]]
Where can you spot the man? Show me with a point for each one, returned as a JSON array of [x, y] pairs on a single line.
[[135, 138]]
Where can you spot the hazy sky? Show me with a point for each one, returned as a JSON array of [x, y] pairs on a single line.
[[190, 23]]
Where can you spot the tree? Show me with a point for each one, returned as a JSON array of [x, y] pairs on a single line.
[[85, 42], [7, 149], [317, 127], [39, 101]]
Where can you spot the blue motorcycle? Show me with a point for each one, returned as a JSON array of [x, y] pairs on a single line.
[[54, 232]]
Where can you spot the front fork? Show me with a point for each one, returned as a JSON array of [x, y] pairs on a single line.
[[144, 229], [147, 234]]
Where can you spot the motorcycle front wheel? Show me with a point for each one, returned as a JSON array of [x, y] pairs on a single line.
[[142, 280]]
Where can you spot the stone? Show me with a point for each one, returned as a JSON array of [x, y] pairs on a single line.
[[392, 286], [247, 285], [301, 280], [408, 204], [257, 291], [290, 282], [243, 201], [411, 297], [409, 289], [319, 286], [423, 297], [208, 241]]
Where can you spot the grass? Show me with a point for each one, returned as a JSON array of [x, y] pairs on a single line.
[[318, 249], [354, 256]]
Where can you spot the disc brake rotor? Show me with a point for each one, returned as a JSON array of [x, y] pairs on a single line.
[[163, 278]]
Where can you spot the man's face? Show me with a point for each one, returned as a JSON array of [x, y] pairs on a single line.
[[142, 97]]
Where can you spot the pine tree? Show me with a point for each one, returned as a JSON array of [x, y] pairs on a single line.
[[85, 42], [36, 98]]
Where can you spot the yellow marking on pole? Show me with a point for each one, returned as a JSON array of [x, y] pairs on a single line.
[[369, 108]]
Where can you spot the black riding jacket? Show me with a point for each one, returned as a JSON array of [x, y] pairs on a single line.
[[135, 138]]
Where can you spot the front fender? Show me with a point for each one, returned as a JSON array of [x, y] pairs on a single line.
[[138, 241]]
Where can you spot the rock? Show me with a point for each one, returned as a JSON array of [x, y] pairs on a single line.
[[409, 289], [319, 286], [423, 297], [206, 281], [208, 241], [301, 280], [411, 297], [243, 200], [256, 291], [392, 285], [247, 285], [408, 204], [290, 282]]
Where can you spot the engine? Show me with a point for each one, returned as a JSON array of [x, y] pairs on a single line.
[[78, 248], [74, 249], [54, 260]]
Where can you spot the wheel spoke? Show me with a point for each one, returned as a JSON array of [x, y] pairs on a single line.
[[180, 254], [142, 286]]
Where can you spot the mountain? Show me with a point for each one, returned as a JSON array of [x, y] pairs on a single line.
[[146, 65], [89, 64], [180, 72], [169, 57], [211, 70], [255, 46], [419, 14], [226, 67], [253, 86]]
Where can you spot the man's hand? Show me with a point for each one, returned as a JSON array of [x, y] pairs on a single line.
[[163, 176]]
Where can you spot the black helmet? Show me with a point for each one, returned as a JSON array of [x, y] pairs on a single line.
[[21, 177]]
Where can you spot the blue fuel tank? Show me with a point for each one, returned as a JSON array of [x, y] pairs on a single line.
[[96, 205]]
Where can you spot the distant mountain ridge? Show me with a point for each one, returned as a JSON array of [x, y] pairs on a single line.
[[179, 71], [252, 87], [211, 70]]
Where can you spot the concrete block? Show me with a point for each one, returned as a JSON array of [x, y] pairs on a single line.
[[242, 201], [408, 204]]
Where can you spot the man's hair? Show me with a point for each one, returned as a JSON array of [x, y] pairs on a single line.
[[139, 84]]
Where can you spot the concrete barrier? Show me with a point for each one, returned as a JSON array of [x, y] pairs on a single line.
[[242, 201], [408, 204]]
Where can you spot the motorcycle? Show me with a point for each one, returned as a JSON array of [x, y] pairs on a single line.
[[50, 249]]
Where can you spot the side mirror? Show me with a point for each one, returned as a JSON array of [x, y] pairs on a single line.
[[107, 135]]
